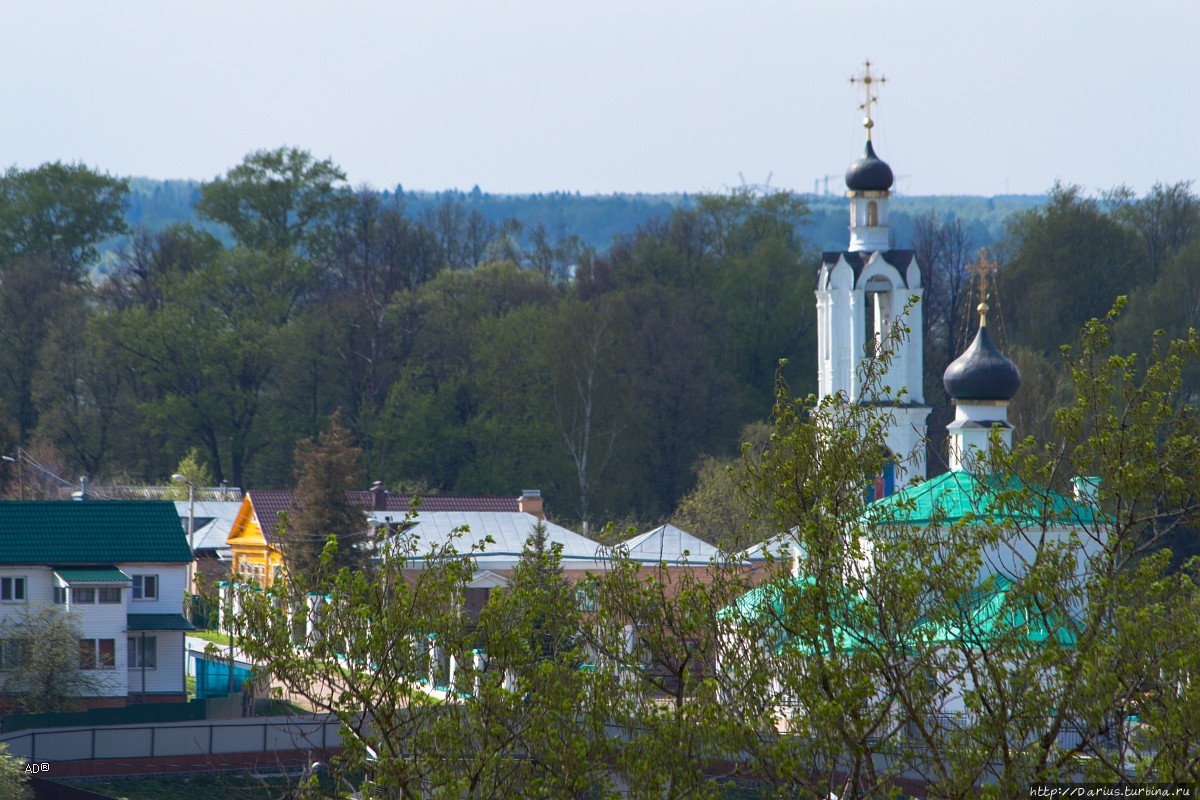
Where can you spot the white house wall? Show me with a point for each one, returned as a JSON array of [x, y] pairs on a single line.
[[167, 675], [110, 621]]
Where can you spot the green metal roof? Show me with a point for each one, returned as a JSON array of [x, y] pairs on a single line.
[[767, 606], [91, 532], [987, 614], [955, 496], [984, 615], [158, 622], [95, 575]]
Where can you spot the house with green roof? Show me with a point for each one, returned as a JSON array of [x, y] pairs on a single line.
[[119, 568]]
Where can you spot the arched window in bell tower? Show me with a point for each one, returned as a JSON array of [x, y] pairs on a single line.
[[879, 312], [872, 214]]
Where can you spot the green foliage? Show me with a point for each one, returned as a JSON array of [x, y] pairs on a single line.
[[45, 673], [60, 213], [326, 527], [194, 471], [14, 783], [1068, 261], [1031, 640], [718, 510], [275, 199]]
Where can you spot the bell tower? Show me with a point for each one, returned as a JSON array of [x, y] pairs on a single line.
[[861, 293]]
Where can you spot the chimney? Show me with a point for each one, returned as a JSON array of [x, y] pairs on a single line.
[[381, 494], [530, 502]]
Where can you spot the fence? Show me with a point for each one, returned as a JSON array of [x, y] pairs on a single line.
[[212, 677], [184, 739], [148, 712]]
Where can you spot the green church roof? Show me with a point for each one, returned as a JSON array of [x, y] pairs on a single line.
[[67, 532], [955, 496], [987, 613], [978, 619]]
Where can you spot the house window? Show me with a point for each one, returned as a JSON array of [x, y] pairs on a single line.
[[60, 595], [872, 214], [83, 594], [109, 594], [143, 652], [145, 587], [12, 653], [97, 653], [12, 590]]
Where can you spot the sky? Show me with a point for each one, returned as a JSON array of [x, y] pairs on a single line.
[[529, 96]]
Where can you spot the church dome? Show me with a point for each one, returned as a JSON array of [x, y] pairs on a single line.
[[869, 174], [982, 373]]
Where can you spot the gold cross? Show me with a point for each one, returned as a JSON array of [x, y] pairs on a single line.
[[867, 80], [981, 270]]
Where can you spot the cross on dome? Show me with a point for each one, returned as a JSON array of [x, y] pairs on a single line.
[[868, 80], [981, 269]]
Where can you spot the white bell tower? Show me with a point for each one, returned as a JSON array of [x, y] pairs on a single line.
[[861, 292]]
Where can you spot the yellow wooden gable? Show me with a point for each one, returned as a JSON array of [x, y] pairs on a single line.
[[254, 558]]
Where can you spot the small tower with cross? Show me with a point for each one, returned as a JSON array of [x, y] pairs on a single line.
[[981, 382], [861, 293]]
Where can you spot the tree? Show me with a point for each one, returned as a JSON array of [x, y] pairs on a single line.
[[325, 471], [204, 360], [196, 473], [14, 783], [1064, 263], [282, 198], [42, 655], [717, 509], [60, 213], [31, 298], [1165, 220]]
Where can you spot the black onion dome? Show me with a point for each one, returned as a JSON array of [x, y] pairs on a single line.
[[869, 173], [982, 373]]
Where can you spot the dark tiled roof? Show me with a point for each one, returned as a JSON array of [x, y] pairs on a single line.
[[94, 575], [67, 532], [268, 504], [158, 622]]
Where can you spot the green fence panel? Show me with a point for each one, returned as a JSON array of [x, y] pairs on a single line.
[[129, 715]]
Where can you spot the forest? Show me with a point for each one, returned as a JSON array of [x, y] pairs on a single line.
[[471, 354]]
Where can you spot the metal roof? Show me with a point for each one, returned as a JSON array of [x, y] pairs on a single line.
[[95, 575], [158, 622], [954, 496], [78, 532], [672, 545], [509, 530]]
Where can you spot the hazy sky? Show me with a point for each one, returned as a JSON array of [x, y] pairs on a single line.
[[637, 95]]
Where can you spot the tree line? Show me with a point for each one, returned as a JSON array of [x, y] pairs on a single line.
[[472, 356]]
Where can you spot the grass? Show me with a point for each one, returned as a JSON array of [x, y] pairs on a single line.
[[216, 637], [189, 683], [274, 707], [188, 787]]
